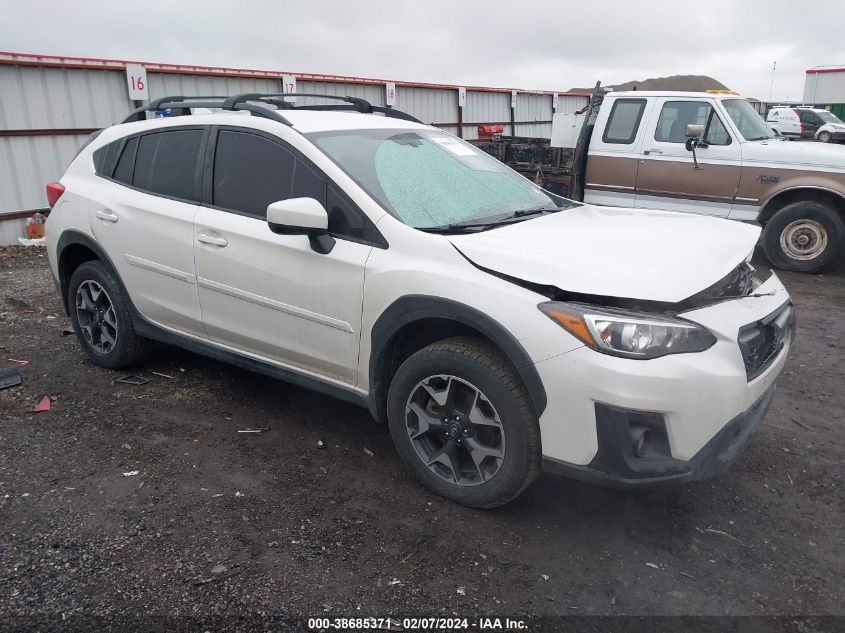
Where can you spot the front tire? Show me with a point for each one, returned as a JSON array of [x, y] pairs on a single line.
[[463, 424], [804, 237], [99, 312], [825, 137]]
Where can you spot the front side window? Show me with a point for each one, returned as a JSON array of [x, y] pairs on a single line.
[[624, 121], [677, 115], [429, 179], [747, 120], [250, 173], [828, 117], [166, 163]]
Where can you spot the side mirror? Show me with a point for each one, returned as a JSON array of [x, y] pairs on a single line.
[[695, 131], [695, 137], [302, 216]]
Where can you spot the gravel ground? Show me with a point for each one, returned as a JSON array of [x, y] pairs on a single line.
[[223, 530]]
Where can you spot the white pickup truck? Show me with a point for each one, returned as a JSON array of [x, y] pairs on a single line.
[[713, 154]]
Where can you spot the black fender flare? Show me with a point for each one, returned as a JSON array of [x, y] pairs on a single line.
[[71, 237], [411, 308]]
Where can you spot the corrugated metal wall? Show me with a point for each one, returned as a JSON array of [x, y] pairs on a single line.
[[46, 112]]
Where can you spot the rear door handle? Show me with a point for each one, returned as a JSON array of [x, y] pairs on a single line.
[[107, 215], [652, 151], [205, 238]]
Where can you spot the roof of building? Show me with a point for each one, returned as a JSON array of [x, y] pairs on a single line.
[[62, 61], [825, 69]]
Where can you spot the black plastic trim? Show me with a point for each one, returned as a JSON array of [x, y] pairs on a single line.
[[411, 308], [72, 237], [152, 331]]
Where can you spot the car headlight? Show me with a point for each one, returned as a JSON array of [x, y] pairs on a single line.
[[628, 334]]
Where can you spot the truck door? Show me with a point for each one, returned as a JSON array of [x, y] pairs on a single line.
[[667, 177], [614, 151]]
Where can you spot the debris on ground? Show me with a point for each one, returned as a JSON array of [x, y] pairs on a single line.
[[132, 379], [18, 361], [801, 424], [252, 430], [131, 473], [239, 494], [321, 444], [369, 453], [45, 404], [10, 377], [652, 565], [67, 332], [462, 591], [157, 373], [218, 569], [210, 579]]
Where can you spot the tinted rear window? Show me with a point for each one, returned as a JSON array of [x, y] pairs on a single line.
[[167, 162], [126, 162]]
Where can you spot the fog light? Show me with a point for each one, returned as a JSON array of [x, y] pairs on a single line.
[[639, 437]]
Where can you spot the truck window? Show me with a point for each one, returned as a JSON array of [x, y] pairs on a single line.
[[676, 115], [624, 121]]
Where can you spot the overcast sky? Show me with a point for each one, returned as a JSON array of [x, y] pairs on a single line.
[[551, 45]]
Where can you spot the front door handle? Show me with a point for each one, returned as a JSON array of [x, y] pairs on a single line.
[[205, 238], [652, 151], [107, 215]]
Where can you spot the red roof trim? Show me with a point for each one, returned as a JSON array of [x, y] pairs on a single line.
[[58, 61], [815, 71]]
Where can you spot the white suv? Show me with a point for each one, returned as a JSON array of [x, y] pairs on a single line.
[[497, 328]]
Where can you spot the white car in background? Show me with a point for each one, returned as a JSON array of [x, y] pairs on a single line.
[[498, 329], [833, 130]]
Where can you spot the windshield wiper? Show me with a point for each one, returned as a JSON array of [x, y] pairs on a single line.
[[513, 218], [524, 212]]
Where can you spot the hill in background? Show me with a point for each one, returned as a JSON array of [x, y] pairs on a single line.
[[680, 83]]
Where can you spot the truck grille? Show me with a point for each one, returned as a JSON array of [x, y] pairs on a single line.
[[762, 341]]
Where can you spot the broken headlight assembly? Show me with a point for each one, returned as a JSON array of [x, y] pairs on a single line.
[[628, 334]]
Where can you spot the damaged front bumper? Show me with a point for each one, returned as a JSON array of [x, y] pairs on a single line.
[[615, 464]]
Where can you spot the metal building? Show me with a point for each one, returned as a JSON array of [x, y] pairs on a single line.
[[824, 86], [49, 105]]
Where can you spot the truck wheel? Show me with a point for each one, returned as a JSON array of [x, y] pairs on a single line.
[[462, 423], [804, 237], [825, 137], [99, 312]]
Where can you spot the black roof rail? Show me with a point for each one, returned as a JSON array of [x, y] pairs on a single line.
[[249, 102]]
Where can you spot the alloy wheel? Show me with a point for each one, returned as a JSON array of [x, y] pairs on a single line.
[[455, 430], [96, 316]]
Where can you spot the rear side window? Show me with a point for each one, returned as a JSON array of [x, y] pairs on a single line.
[[167, 162], [624, 121], [126, 162], [250, 172], [104, 158]]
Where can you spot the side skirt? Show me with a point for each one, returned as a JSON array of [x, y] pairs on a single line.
[[154, 332]]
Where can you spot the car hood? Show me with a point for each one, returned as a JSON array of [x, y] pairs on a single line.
[[789, 154], [614, 252]]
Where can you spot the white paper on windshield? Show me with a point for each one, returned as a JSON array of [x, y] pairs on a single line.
[[454, 146]]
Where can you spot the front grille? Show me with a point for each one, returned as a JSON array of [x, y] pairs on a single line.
[[762, 341]]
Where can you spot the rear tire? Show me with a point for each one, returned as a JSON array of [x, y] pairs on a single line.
[[99, 312], [804, 237], [463, 424]]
